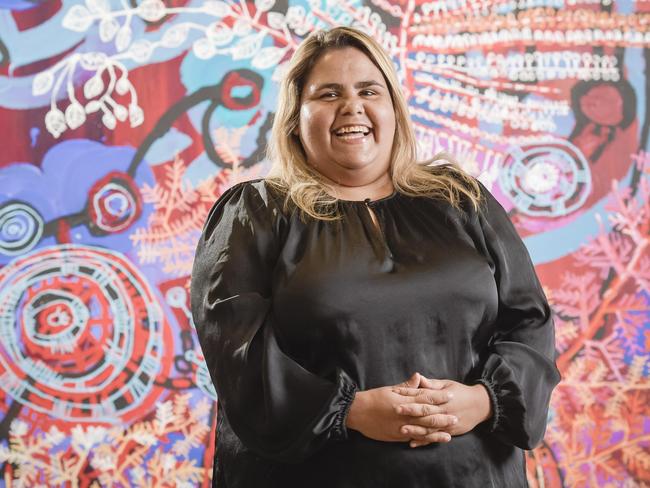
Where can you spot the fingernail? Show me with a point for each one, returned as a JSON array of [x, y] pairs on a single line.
[[412, 444], [454, 420], [405, 430], [400, 409], [450, 396]]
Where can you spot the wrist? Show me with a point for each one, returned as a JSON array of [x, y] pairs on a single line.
[[355, 411], [484, 402]]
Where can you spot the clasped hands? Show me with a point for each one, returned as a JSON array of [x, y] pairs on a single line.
[[420, 411]]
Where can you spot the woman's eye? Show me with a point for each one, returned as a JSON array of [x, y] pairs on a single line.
[[365, 93]]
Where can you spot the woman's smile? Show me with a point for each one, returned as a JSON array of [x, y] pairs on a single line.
[[347, 118], [353, 134]]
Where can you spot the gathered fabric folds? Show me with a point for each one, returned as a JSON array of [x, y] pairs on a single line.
[[295, 316]]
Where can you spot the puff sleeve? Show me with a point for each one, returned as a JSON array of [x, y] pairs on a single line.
[[278, 409], [519, 368]]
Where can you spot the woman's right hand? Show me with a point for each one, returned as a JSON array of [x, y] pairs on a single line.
[[373, 413]]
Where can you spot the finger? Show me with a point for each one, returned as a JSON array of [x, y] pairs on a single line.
[[435, 397], [425, 395], [432, 383], [412, 382], [402, 390], [435, 421], [438, 421], [415, 431], [441, 437], [418, 432], [432, 397], [418, 409]]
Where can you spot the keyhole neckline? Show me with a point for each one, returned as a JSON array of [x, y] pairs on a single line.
[[369, 201]]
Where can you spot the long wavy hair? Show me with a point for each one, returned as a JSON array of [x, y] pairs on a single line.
[[305, 187]]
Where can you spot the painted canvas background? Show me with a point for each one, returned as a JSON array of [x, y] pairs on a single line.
[[122, 121]]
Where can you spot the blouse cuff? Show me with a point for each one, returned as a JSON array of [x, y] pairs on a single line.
[[491, 423], [505, 394], [344, 401]]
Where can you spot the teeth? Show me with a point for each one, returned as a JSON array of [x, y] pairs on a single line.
[[351, 129]]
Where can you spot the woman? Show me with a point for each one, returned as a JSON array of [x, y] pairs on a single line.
[[367, 321]]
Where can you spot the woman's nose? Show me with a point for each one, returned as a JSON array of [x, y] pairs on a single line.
[[352, 105]]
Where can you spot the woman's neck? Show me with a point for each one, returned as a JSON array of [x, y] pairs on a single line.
[[374, 190]]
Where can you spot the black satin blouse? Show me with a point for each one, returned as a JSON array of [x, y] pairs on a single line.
[[294, 317]]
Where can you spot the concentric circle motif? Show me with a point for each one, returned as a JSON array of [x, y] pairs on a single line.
[[546, 180], [81, 334], [21, 227], [176, 297], [113, 204], [203, 379]]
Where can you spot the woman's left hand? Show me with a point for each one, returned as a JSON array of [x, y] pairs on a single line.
[[470, 404]]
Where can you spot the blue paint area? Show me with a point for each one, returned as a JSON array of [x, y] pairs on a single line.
[[634, 57], [624, 7], [241, 91], [196, 73], [223, 117], [50, 38], [195, 114], [165, 148], [62, 184], [18, 4], [564, 124], [200, 169], [491, 127], [34, 132]]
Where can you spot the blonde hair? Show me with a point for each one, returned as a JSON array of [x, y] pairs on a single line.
[[304, 186]]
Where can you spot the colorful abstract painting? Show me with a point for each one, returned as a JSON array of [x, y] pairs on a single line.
[[123, 120]]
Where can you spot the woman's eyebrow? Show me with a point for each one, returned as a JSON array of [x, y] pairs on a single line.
[[357, 85]]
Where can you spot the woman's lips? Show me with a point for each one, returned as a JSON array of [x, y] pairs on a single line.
[[354, 137]]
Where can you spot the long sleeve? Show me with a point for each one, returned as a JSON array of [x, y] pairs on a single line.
[[519, 368], [277, 408]]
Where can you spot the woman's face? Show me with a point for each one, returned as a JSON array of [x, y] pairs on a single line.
[[347, 120]]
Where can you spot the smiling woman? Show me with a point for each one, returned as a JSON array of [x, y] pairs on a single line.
[[367, 320], [347, 124], [323, 61]]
